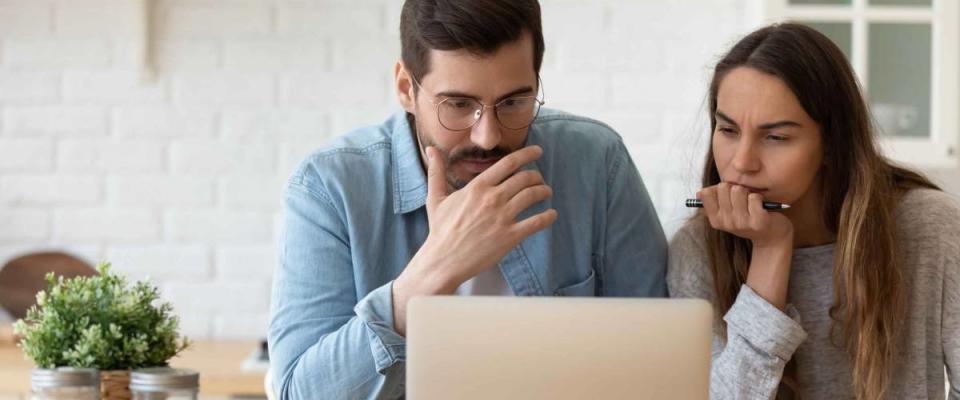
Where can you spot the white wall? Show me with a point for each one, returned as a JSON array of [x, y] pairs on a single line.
[[179, 177], [949, 178]]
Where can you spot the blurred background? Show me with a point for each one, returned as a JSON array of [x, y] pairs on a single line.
[[157, 134]]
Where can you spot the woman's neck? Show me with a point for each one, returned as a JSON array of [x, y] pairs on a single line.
[[809, 228]]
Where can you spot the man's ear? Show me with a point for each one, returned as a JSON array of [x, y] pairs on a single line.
[[404, 85]]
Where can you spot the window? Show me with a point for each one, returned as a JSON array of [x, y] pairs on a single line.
[[905, 53]]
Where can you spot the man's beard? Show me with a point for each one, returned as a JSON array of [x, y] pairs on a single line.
[[472, 152]]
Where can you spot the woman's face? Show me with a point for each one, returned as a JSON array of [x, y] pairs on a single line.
[[764, 140]]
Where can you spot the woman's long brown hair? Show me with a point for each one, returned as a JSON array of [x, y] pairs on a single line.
[[860, 192]]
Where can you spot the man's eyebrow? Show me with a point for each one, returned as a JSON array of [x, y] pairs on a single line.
[[453, 93]]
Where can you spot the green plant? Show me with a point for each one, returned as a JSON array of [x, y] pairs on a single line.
[[99, 322]]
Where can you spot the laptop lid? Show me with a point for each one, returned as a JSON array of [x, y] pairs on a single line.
[[475, 347]]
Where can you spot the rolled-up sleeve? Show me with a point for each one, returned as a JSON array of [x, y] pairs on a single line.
[[634, 259], [324, 342]]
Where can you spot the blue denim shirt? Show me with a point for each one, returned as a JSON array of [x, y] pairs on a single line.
[[355, 216]]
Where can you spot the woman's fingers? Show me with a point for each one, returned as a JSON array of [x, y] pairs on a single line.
[[733, 208], [736, 210], [723, 201], [758, 215], [739, 214], [708, 196]]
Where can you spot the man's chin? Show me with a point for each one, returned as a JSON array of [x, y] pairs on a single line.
[[460, 180]]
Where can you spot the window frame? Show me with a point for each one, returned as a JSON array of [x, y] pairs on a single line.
[[940, 149]]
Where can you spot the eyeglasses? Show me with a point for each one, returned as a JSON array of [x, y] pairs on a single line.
[[462, 113]]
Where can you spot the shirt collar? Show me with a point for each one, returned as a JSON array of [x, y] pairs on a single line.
[[409, 178]]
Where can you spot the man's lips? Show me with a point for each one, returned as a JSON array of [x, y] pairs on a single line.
[[477, 166]]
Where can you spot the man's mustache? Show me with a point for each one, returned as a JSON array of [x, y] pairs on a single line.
[[476, 153]]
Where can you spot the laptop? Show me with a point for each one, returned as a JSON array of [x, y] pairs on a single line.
[[473, 347]]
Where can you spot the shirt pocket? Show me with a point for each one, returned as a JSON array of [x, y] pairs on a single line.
[[586, 287]]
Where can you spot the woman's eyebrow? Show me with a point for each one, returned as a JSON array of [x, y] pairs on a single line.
[[767, 126]]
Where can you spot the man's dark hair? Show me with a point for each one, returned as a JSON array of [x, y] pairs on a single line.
[[478, 26]]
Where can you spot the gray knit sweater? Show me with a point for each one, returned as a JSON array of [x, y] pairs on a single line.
[[748, 361]]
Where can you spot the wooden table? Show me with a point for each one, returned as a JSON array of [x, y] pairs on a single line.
[[219, 364]]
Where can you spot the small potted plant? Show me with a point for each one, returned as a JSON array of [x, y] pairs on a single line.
[[100, 322]]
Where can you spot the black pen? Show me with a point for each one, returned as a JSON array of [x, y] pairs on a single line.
[[767, 205]]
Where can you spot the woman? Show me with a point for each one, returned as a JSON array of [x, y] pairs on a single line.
[[852, 292]]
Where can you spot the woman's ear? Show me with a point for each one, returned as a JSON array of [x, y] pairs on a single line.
[[404, 85]]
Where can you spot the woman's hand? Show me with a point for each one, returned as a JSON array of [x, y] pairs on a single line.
[[734, 209]]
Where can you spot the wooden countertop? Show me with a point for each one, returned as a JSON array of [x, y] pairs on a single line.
[[219, 364]]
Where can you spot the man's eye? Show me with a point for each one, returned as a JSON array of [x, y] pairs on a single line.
[[459, 103]]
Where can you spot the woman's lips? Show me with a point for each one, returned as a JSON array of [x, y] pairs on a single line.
[[751, 188]]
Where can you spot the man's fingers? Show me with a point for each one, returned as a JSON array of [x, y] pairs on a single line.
[[436, 178], [528, 197], [508, 165], [535, 223], [518, 182]]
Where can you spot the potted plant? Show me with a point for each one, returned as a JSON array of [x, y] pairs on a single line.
[[100, 322]]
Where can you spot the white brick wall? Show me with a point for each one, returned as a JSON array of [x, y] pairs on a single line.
[[124, 87], [163, 262], [24, 225], [31, 54], [163, 122], [50, 189], [28, 86], [55, 120], [106, 224], [213, 156], [35, 155], [211, 19], [177, 175], [160, 190], [192, 225], [25, 19], [213, 89], [110, 155], [98, 18]]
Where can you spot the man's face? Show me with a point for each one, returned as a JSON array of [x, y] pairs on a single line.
[[490, 79]]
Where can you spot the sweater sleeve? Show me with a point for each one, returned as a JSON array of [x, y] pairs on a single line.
[[950, 325], [750, 354], [950, 320], [929, 223]]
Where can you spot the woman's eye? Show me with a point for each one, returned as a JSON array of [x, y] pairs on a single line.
[[727, 131]]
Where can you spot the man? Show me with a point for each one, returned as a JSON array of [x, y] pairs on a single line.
[[471, 190]]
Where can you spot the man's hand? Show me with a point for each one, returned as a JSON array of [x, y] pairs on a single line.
[[473, 228]]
